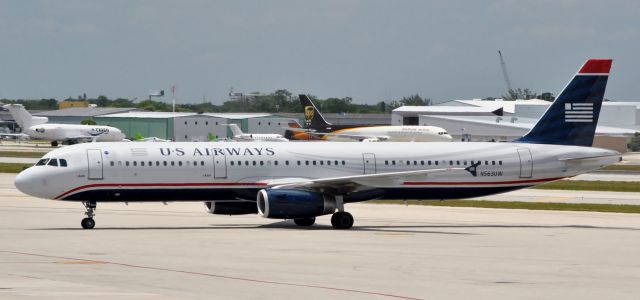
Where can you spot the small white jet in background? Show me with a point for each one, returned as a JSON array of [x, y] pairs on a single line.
[[38, 128], [238, 135]]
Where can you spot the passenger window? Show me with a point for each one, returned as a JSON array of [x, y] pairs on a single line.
[[415, 163], [464, 162], [135, 163], [275, 162], [142, 163], [53, 162], [486, 162], [343, 162], [253, 163], [457, 162], [126, 163], [298, 163], [202, 163], [335, 162], [493, 162], [286, 162], [422, 162], [63, 162], [42, 162], [408, 162], [386, 162], [180, 163], [150, 164], [113, 163], [500, 162], [306, 162], [246, 162], [232, 162], [261, 163], [393, 162], [436, 162], [451, 162], [328, 162], [314, 162], [157, 163], [322, 162], [164, 163], [173, 163], [429, 162]]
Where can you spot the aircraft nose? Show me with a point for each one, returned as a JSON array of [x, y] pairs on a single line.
[[24, 182]]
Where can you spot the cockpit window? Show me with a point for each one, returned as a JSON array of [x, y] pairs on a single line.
[[63, 162], [42, 162], [53, 162]]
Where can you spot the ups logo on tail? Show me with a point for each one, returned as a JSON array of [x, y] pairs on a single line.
[[308, 112]]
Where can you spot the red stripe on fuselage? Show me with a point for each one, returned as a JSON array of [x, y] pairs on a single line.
[[157, 185]]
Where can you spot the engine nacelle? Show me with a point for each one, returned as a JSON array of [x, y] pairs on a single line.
[[231, 207], [294, 204]]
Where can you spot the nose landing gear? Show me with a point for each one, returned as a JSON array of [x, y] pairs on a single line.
[[88, 222]]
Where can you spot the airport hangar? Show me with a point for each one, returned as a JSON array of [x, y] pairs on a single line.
[[188, 126], [500, 120]]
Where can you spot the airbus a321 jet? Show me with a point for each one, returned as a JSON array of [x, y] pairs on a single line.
[[302, 181], [38, 128]]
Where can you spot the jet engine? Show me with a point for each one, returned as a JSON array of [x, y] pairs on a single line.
[[231, 207], [294, 204]]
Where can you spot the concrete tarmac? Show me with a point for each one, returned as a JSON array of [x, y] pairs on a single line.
[[177, 251]]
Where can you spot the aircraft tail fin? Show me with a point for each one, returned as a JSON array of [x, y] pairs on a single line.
[[311, 113], [572, 118], [235, 130], [23, 117]]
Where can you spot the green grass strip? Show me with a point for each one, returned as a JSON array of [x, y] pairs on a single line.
[[28, 154], [588, 185], [13, 167], [615, 208], [622, 168]]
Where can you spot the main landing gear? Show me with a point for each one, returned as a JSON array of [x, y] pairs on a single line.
[[88, 222], [341, 219]]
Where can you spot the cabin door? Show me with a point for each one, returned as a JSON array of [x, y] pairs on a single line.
[[526, 163], [219, 165], [369, 162], [94, 159]]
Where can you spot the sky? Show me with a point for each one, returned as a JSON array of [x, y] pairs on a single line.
[[369, 50]]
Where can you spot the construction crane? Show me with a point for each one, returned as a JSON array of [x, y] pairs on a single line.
[[504, 72]]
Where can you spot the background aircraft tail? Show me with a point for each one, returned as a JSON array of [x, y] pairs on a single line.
[[235, 129], [572, 118], [312, 113], [23, 117]]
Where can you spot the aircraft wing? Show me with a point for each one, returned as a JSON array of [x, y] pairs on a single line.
[[350, 183], [16, 135], [359, 137]]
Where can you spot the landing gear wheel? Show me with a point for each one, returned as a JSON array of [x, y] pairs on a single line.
[[54, 144], [342, 220], [304, 222], [88, 223]]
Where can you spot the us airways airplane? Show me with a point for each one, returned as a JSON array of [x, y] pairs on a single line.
[[238, 135], [302, 181], [319, 128], [38, 128]]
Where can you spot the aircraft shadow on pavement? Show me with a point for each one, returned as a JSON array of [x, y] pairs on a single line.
[[414, 229]]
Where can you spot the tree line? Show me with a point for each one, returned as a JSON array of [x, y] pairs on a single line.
[[281, 101]]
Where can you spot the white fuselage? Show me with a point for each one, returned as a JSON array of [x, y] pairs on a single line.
[[393, 134], [65, 132], [192, 171]]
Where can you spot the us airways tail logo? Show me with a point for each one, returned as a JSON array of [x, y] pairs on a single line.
[[578, 112]]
